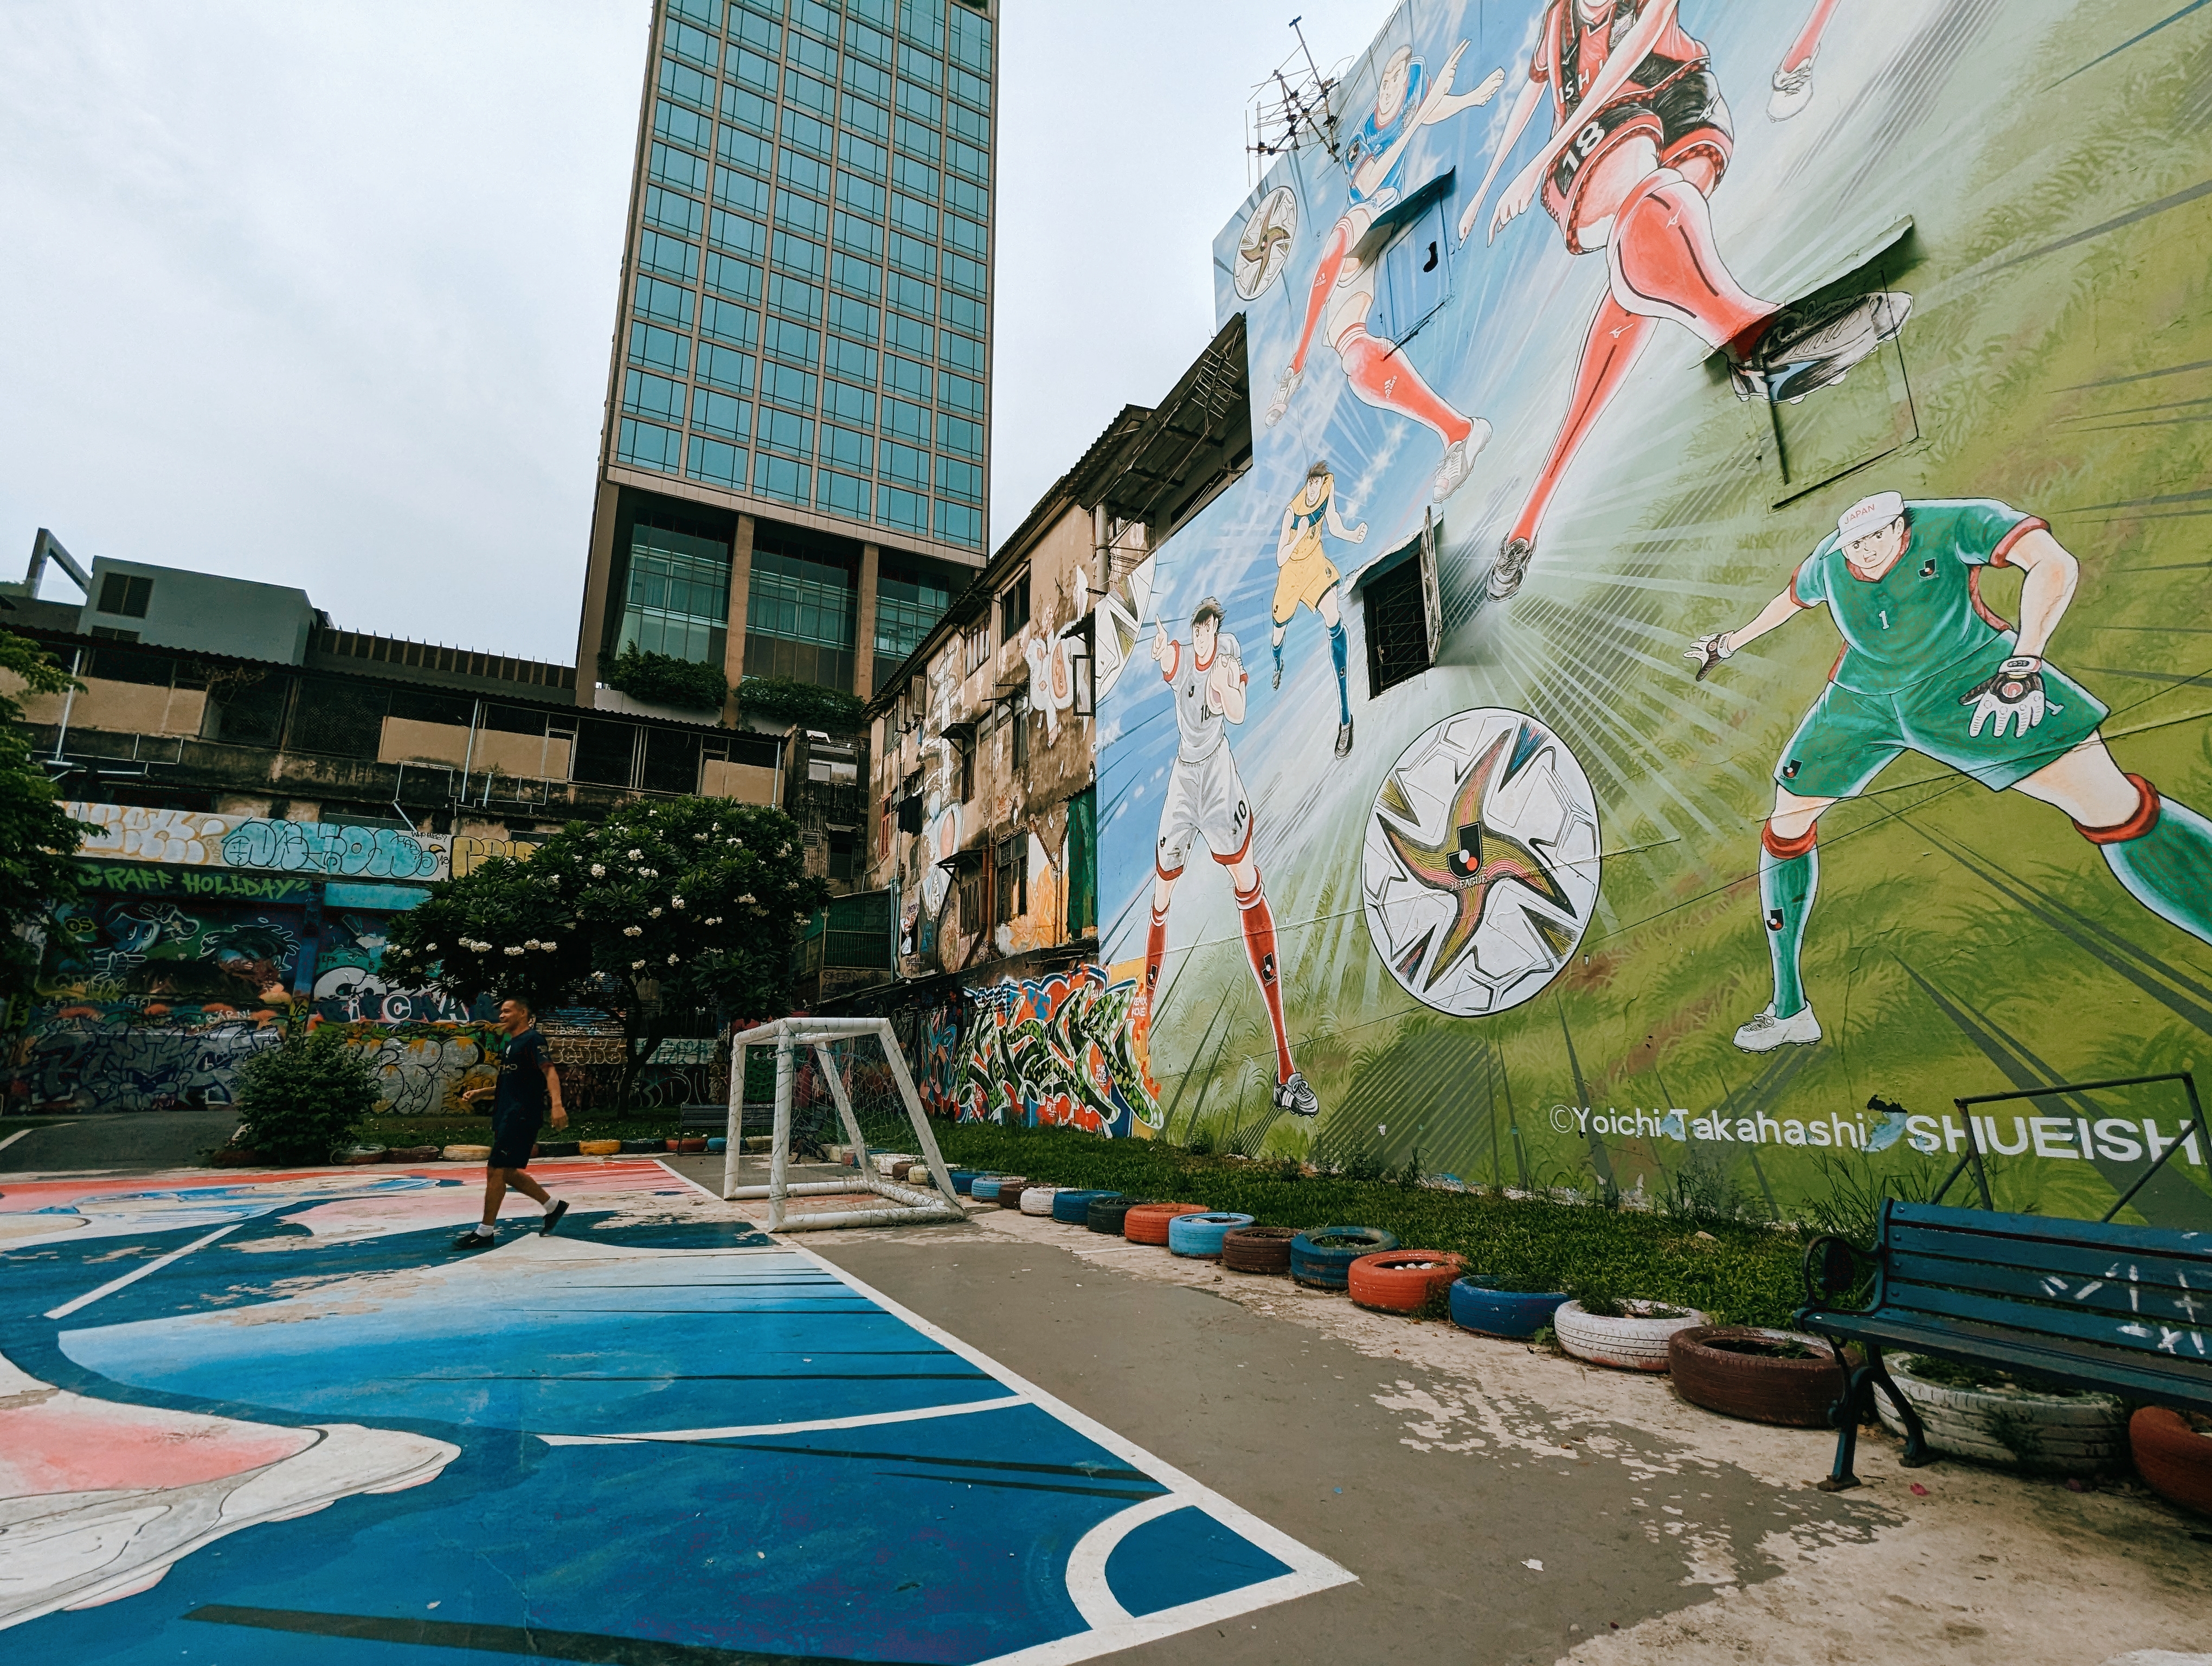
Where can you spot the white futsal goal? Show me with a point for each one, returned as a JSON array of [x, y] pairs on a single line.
[[846, 1075]]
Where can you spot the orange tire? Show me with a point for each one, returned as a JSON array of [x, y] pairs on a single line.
[[1403, 1280], [2172, 1457], [1148, 1222]]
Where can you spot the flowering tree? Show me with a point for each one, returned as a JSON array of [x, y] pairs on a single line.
[[663, 905]]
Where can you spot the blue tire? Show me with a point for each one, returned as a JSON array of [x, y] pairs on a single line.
[[1201, 1234], [984, 1190], [1516, 1314], [1324, 1256], [1073, 1208], [963, 1178], [718, 1143]]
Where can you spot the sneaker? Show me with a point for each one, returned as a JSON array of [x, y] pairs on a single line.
[[1767, 1032], [111, 1536], [473, 1239], [1344, 738], [1291, 1094], [1278, 683], [1793, 91], [1284, 389], [1511, 566], [1459, 461], [553, 1217], [1804, 350]]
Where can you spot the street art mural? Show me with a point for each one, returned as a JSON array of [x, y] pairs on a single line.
[[275, 1421], [1800, 703], [1052, 1052]]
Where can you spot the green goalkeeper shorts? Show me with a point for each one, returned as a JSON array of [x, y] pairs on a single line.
[[1850, 737]]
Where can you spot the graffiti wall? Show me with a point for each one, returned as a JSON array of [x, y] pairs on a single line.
[[195, 934], [1710, 636], [1053, 1052]]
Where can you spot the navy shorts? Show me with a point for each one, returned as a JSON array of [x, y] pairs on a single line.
[[512, 1139]]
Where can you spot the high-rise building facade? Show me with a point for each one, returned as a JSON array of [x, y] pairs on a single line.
[[795, 460]]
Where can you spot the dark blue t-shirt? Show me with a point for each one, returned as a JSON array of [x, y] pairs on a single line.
[[521, 1090]]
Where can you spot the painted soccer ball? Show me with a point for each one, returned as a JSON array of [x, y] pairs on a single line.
[[1480, 867], [1264, 245]]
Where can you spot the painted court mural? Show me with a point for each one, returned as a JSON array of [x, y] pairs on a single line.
[[1712, 632], [274, 1420]]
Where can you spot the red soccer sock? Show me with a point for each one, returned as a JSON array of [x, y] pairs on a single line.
[[1381, 375], [1156, 948], [1808, 42], [1616, 339], [1260, 948], [1665, 265], [1325, 276]]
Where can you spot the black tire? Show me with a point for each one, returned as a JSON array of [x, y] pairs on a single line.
[[1108, 1214], [1723, 1368], [1323, 1256], [1258, 1249]]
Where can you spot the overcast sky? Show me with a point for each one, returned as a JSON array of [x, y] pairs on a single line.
[[322, 295]]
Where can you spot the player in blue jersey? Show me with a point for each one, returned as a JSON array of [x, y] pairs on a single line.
[[1343, 291], [1927, 668]]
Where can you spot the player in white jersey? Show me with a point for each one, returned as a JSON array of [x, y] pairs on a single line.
[[1205, 801]]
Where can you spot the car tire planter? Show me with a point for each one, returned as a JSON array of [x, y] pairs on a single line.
[[2076, 1434], [1258, 1249], [1323, 1257], [465, 1153], [1199, 1236], [1011, 1188], [1072, 1208], [557, 1148], [684, 1143], [1037, 1199], [984, 1189], [638, 1147], [1108, 1214], [1401, 1280], [964, 1179], [2173, 1458], [1748, 1371], [1515, 1315], [1148, 1222], [597, 1147], [360, 1154], [1636, 1342]]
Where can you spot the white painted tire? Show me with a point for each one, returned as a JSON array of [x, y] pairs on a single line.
[[465, 1153], [2082, 1435], [1636, 1342], [1037, 1199]]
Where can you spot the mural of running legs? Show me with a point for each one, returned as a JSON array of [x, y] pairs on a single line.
[[1307, 578], [1633, 159], [1343, 289], [1206, 800], [1793, 76], [1902, 582]]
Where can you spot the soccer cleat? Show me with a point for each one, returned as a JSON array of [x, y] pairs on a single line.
[[1458, 461], [553, 1217], [1803, 350], [1767, 1032], [1511, 566], [472, 1239], [1293, 1094], [1278, 683], [1344, 738], [130, 1491], [1793, 91], [1284, 389]]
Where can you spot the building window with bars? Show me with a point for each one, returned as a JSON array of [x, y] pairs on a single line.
[[1397, 628], [1017, 714], [1010, 869]]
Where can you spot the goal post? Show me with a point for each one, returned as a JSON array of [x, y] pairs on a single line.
[[792, 1038]]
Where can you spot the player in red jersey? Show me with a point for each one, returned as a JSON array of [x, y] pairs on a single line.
[[1793, 76], [1640, 138]]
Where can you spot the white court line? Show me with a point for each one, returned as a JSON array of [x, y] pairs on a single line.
[[138, 1273], [20, 1133], [866, 1420]]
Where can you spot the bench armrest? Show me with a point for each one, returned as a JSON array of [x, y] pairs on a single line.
[[1833, 1267]]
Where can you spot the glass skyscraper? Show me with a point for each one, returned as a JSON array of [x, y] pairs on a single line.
[[793, 471]]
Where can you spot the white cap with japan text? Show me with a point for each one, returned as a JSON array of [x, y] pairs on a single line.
[[1869, 514]]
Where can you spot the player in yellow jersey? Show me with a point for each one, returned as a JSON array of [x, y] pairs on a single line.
[[1307, 578]]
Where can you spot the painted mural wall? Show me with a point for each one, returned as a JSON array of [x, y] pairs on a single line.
[[1712, 633], [194, 933]]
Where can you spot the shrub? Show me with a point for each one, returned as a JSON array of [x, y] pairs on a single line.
[[808, 705], [666, 680], [302, 1099]]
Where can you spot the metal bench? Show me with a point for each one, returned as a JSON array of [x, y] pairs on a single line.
[[2125, 1309], [810, 1132]]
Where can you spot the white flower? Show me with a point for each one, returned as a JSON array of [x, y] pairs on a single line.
[[633, 931], [648, 873], [699, 838], [514, 950], [429, 948], [653, 913], [598, 870], [637, 855], [637, 965], [676, 902], [671, 960], [747, 897], [716, 921]]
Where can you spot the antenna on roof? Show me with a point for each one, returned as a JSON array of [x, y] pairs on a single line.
[[1290, 106]]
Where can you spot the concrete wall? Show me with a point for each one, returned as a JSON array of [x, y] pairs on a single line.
[[209, 612]]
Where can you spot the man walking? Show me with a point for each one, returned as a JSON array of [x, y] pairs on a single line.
[[527, 1084]]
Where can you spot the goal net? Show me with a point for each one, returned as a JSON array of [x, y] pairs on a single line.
[[838, 1081]]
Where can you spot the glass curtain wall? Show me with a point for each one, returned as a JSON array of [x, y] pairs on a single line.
[[678, 601]]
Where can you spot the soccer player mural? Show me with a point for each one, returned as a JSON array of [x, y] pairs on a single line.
[[1926, 668], [1511, 927]]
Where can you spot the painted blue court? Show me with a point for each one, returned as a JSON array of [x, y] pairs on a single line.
[[658, 1436]]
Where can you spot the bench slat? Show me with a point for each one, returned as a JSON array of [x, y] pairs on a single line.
[[2153, 1377], [2064, 1292], [2046, 1228], [2111, 1263], [2179, 1342]]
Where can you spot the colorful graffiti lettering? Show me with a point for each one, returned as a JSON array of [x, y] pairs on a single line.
[[1053, 1052], [377, 853]]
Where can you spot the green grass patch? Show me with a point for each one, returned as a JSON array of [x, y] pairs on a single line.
[[1738, 1273]]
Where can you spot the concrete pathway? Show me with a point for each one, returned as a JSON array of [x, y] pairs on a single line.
[[144, 1141]]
